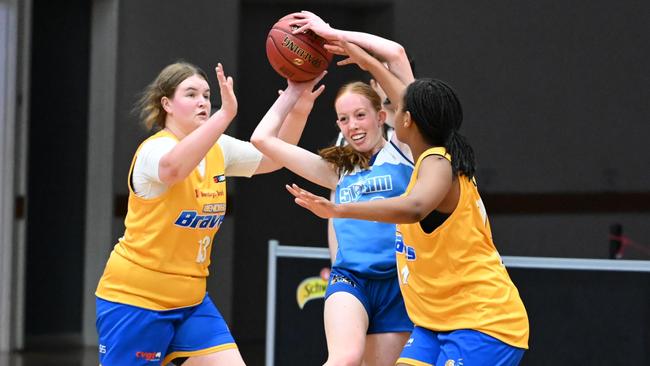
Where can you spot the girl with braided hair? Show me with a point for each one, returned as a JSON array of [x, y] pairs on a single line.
[[457, 292]]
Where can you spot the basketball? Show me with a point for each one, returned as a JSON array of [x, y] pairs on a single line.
[[297, 57]]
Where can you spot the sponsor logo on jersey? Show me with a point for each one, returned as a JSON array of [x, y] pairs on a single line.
[[210, 194], [214, 208], [148, 356], [192, 220], [102, 349], [219, 178], [409, 342], [458, 362], [353, 192], [342, 279]]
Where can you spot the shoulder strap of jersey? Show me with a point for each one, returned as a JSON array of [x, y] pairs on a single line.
[[434, 151]]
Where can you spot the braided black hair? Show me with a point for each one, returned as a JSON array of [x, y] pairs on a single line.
[[438, 114]]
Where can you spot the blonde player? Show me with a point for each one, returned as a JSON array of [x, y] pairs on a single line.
[[152, 305]]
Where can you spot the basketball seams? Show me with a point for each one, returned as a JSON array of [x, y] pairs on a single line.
[[277, 66], [303, 47], [281, 35], [314, 45]]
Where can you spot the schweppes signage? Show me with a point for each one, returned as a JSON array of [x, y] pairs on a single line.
[[302, 54], [309, 289]]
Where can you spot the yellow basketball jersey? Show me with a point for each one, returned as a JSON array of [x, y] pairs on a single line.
[[453, 278], [162, 260]]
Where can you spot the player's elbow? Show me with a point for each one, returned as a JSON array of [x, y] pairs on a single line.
[[416, 212], [168, 173], [396, 53], [257, 140], [265, 144]]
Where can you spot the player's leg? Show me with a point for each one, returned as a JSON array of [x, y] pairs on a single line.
[[225, 357], [472, 347], [346, 323], [204, 338], [389, 326], [383, 349], [346, 318], [421, 349]]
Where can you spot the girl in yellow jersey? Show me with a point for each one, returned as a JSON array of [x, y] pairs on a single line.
[[457, 292], [152, 305]]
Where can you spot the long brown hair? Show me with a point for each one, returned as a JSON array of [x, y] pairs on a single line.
[[150, 106], [346, 158]]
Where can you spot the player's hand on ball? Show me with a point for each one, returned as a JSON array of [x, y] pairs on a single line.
[[306, 20], [307, 99], [296, 55]]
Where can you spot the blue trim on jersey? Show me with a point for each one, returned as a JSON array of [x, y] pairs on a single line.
[[368, 247], [401, 153]]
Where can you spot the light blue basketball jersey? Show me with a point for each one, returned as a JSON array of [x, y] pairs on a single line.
[[368, 247]]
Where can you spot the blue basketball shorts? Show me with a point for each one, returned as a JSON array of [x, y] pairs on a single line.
[[381, 298], [130, 335], [457, 348]]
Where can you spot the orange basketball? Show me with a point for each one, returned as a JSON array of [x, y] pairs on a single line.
[[298, 57]]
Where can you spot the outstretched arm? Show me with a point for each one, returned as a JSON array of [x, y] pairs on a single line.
[[433, 184], [179, 162], [300, 161], [386, 60], [292, 127], [390, 52]]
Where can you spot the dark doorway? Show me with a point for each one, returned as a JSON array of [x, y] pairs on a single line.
[[57, 144]]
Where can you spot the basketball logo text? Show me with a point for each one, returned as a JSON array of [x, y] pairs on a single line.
[[301, 53]]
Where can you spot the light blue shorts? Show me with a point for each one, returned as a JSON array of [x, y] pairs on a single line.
[[130, 335], [381, 298], [460, 347]]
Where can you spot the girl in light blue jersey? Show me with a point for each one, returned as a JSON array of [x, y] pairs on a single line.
[[365, 317]]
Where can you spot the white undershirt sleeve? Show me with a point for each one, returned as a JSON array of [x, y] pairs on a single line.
[[146, 182], [241, 158]]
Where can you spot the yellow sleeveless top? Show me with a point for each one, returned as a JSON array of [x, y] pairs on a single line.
[[453, 278], [162, 260]]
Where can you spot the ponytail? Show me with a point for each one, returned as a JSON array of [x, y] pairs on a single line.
[[344, 158], [463, 161]]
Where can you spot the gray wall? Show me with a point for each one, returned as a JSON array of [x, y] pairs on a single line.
[[555, 93], [556, 101]]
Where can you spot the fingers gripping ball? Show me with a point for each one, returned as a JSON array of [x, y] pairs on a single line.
[[297, 57]]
